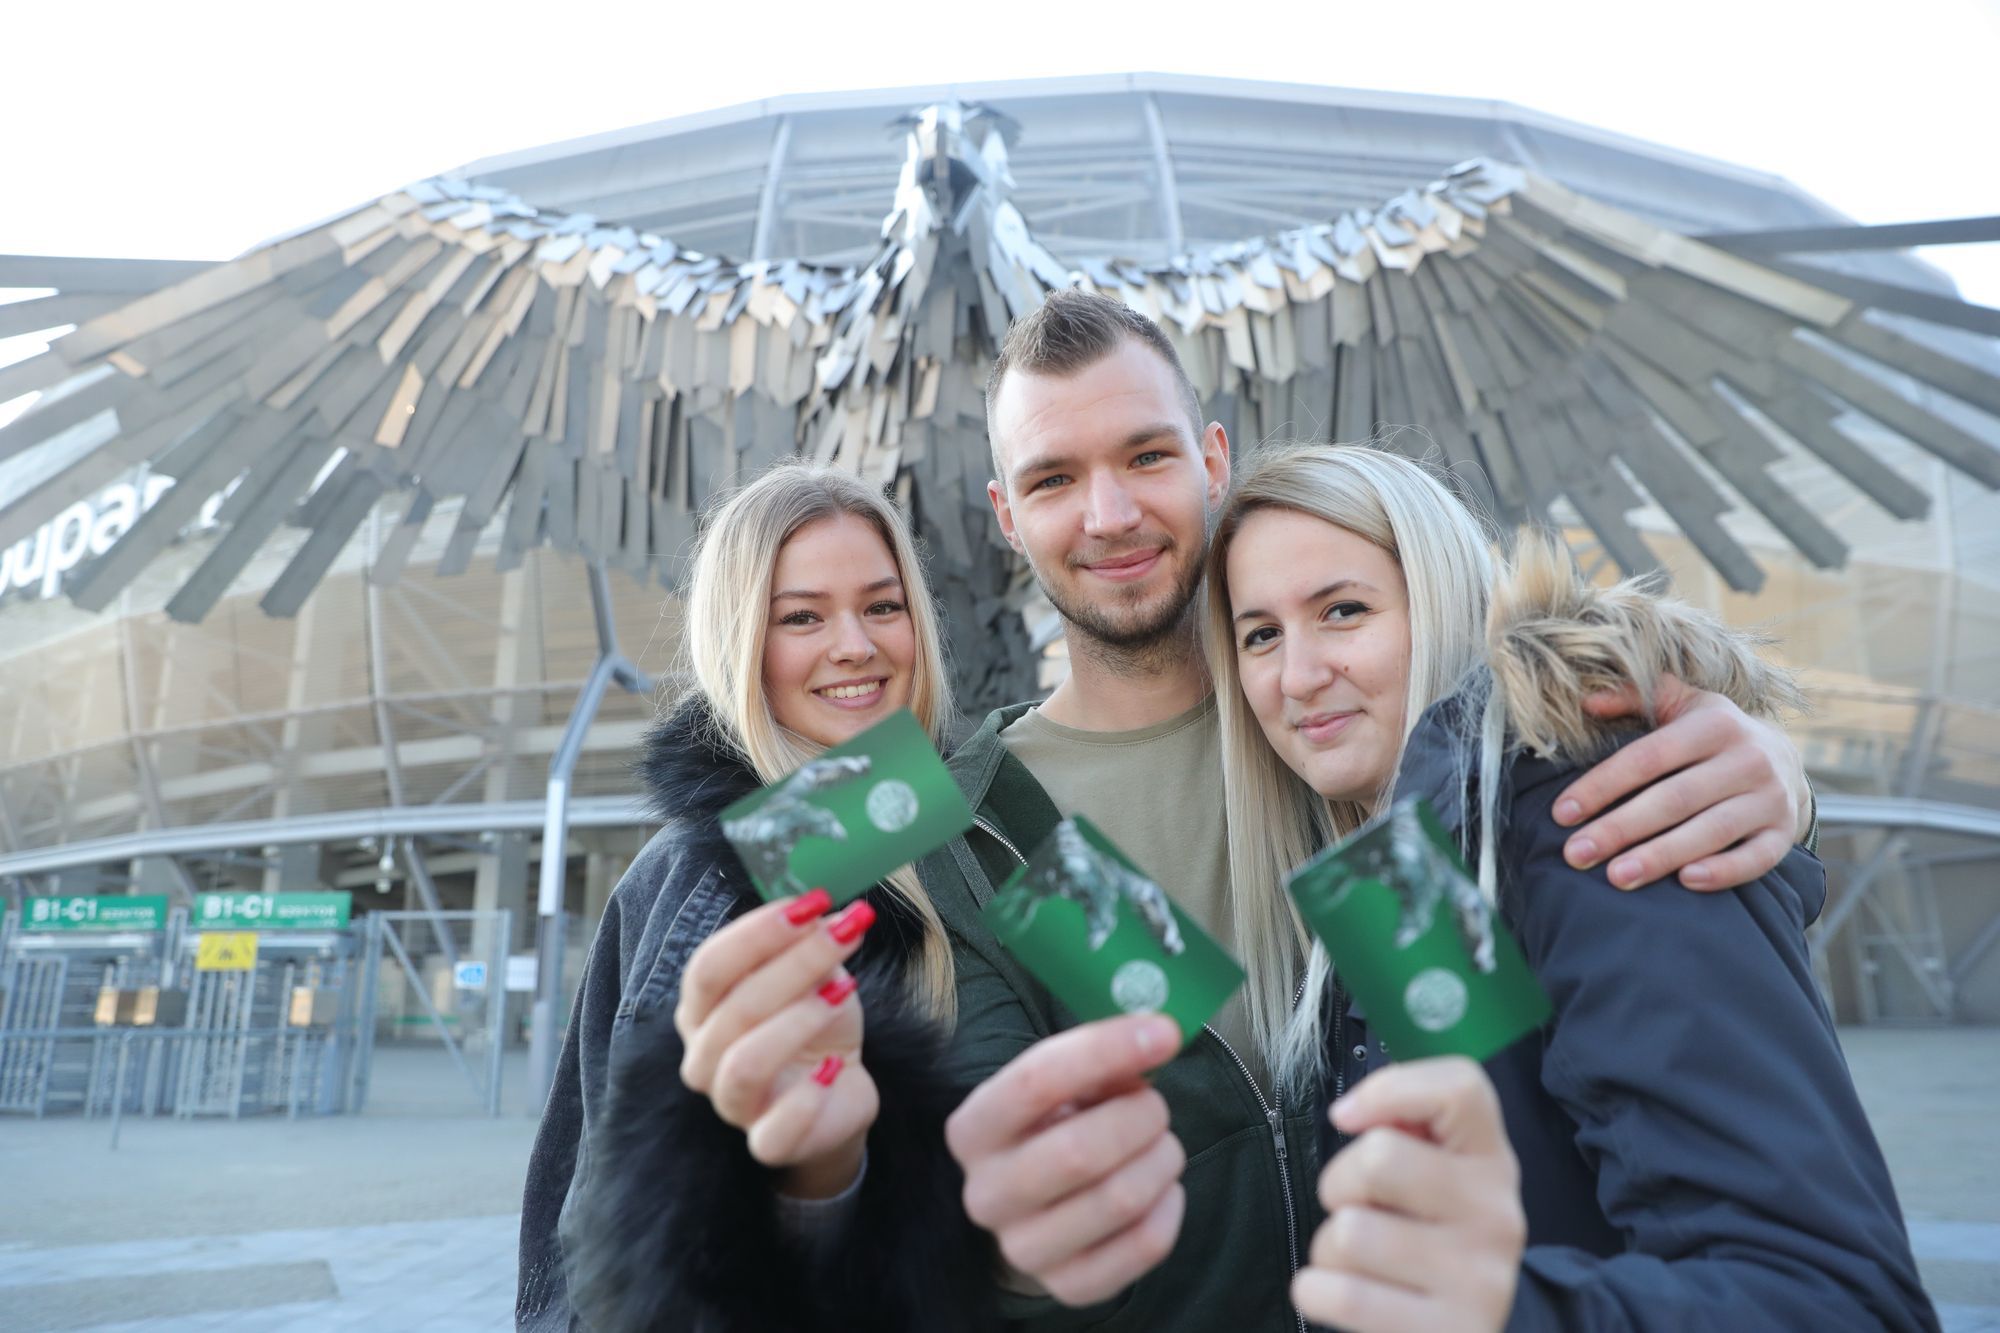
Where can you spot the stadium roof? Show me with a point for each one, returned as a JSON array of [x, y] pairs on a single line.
[[1142, 165]]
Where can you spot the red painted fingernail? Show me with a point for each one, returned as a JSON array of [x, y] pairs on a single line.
[[848, 926], [807, 906], [829, 1070], [833, 992]]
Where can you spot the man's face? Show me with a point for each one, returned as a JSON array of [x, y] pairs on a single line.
[[1107, 491]]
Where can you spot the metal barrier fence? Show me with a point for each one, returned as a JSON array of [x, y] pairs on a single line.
[[60, 989], [272, 1031], [237, 1066], [113, 1047], [442, 977], [281, 1021]]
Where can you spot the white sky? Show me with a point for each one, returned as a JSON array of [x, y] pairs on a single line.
[[197, 129]]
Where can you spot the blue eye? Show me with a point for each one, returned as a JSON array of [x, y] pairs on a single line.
[[1048, 483], [1150, 456]]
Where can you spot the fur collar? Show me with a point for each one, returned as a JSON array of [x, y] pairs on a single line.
[[691, 770]]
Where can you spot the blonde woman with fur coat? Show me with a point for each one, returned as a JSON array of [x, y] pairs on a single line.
[[1680, 1147], [746, 1128]]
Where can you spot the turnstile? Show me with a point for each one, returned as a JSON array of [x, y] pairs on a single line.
[[54, 977], [275, 1036], [119, 1003]]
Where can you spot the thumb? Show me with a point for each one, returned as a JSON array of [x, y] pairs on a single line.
[[1621, 701], [1448, 1100], [1671, 697]]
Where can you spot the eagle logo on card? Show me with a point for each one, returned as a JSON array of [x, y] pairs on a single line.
[[1422, 894], [767, 835], [1104, 937], [848, 817], [1098, 884]]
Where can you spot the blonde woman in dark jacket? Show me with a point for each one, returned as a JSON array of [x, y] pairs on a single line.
[[745, 1131], [1680, 1147]]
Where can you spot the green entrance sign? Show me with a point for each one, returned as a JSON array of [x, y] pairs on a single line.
[[271, 911], [145, 911]]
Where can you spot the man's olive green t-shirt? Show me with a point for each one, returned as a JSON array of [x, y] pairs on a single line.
[[1157, 793]]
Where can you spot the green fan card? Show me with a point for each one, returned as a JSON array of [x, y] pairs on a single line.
[[1104, 938], [850, 815], [1415, 941]]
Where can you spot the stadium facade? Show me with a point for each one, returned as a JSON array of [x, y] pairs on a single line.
[[396, 740]]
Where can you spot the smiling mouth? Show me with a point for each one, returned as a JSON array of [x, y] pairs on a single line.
[[852, 694]]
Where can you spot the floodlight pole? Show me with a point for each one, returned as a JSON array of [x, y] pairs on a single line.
[[545, 1031]]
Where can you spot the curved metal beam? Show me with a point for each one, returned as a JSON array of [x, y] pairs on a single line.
[[1171, 224], [1886, 236], [341, 826], [1835, 811], [1901, 813]]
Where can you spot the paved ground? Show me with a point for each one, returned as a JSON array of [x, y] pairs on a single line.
[[400, 1219], [404, 1219], [1934, 1097]]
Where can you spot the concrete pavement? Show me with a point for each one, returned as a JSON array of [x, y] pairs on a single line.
[[405, 1218]]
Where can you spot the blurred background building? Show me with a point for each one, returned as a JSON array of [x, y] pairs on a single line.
[[260, 753]]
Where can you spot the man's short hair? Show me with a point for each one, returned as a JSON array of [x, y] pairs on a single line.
[[1073, 330]]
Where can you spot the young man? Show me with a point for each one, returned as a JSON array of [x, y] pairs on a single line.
[[1177, 1196]]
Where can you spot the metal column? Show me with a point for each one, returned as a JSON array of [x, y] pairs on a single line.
[[545, 1037]]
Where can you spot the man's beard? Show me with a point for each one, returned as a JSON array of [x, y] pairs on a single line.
[[1138, 637]]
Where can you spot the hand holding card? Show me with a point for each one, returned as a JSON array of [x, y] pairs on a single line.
[[771, 1026], [1415, 941], [1104, 938], [1070, 1159], [1424, 1226], [849, 816]]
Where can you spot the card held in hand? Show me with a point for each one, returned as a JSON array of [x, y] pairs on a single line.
[[850, 815], [1104, 938], [1415, 941]]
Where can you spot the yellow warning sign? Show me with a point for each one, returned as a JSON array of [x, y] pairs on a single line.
[[226, 951]]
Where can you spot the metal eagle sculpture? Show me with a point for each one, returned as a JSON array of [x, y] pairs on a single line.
[[565, 381]]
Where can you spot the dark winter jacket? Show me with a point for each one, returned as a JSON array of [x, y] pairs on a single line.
[[643, 1209], [1248, 1179], [1692, 1152]]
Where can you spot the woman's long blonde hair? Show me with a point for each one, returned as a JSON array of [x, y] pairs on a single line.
[[729, 611], [1547, 636]]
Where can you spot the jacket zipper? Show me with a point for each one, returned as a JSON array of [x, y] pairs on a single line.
[[979, 822], [1272, 1115], [1339, 1040], [1274, 1118]]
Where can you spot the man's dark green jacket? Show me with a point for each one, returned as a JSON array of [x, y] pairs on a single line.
[[1251, 1169]]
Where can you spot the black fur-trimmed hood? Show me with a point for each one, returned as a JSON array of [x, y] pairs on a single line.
[[692, 772]]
